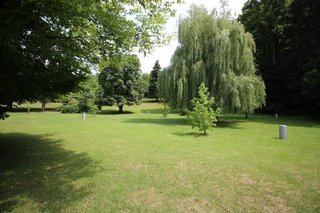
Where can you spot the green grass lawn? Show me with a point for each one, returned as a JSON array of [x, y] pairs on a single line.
[[142, 162]]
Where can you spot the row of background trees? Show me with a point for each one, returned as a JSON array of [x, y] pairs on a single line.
[[49, 48], [287, 37], [216, 50], [119, 83]]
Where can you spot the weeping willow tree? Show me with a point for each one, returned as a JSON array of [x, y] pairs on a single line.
[[217, 51]]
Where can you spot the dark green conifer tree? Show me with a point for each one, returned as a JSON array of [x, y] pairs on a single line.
[[153, 84]]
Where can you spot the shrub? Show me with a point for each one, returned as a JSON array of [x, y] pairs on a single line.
[[69, 108]]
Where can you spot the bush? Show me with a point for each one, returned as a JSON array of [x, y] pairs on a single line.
[[69, 108], [166, 111]]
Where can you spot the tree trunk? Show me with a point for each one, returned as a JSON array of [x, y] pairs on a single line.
[[43, 106], [121, 109], [246, 114], [28, 106], [218, 119], [205, 132], [274, 57], [9, 106]]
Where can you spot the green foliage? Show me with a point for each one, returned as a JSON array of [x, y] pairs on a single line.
[[68, 108], [120, 81], [267, 21], [153, 84], [87, 95], [48, 47], [286, 33], [310, 92], [84, 100], [144, 82], [217, 51], [3, 114], [166, 111], [203, 116]]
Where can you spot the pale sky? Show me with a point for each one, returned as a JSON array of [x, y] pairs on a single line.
[[164, 53]]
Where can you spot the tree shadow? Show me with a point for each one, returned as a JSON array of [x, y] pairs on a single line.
[[161, 121], [36, 168], [194, 134], [113, 112], [298, 121], [23, 109], [150, 101], [231, 124]]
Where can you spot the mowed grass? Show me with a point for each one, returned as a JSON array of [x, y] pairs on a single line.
[[142, 162]]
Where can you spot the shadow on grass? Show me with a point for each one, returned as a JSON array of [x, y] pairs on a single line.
[[150, 101], [38, 170], [194, 134], [298, 121], [160, 121], [231, 124], [23, 109], [113, 112]]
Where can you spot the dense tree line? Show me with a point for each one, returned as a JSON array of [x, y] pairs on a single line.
[[217, 51], [48, 47], [287, 36]]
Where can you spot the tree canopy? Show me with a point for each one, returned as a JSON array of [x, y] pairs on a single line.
[[287, 38], [121, 83], [217, 51], [49, 46]]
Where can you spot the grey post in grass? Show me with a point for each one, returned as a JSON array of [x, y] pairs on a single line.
[[283, 132]]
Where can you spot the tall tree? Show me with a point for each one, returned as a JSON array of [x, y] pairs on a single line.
[[287, 38], [303, 70], [267, 21], [120, 81], [48, 46], [217, 51], [153, 84]]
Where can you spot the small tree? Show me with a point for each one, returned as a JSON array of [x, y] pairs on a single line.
[[203, 116], [166, 111], [153, 83], [84, 100]]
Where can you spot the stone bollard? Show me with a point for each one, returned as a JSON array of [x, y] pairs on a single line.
[[283, 132], [83, 116], [276, 116]]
